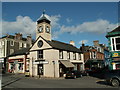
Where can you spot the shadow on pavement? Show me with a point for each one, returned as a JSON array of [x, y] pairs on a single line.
[[102, 82]]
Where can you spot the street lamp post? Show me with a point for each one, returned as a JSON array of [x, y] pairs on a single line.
[[54, 67]]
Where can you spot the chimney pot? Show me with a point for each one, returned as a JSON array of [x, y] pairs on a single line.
[[72, 43]]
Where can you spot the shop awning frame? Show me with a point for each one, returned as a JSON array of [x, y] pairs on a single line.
[[67, 63]]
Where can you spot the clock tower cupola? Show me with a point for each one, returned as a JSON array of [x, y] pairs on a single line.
[[44, 27]]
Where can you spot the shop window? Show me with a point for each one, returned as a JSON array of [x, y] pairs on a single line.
[[20, 66], [60, 54], [40, 54]]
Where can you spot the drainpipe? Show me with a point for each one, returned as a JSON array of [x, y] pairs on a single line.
[[54, 67]]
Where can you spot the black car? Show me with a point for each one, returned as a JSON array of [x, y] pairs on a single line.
[[73, 74], [113, 77], [85, 73]]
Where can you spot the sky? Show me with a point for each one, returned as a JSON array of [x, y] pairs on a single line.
[[77, 21]]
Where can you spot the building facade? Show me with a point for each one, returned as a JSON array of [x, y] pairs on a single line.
[[50, 58], [114, 47], [93, 56], [10, 44]]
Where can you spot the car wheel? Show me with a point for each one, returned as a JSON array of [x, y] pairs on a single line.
[[115, 82]]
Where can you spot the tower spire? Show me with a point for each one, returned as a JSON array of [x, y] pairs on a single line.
[[43, 12]]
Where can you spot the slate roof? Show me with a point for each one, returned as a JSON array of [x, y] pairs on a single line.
[[116, 30], [63, 46], [22, 51], [13, 37], [44, 18]]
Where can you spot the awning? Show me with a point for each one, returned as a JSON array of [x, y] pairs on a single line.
[[66, 63]]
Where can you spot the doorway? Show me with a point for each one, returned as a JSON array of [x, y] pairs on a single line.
[[40, 69]]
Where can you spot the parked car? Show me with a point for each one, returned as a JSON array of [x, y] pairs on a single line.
[[113, 77], [73, 74], [85, 73]]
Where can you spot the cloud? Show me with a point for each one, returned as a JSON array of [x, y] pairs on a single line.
[[68, 20], [83, 41], [98, 27], [25, 25], [0, 28], [55, 21]]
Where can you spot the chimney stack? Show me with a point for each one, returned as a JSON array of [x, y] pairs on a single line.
[[72, 43], [29, 39], [83, 46], [18, 36], [96, 43]]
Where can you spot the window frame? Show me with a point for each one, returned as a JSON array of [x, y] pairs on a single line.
[[20, 44], [74, 56], [12, 51], [40, 55], [68, 55], [11, 43], [114, 44], [79, 56], [25, 45], [60, 54]]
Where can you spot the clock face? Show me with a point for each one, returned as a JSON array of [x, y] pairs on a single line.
[[40, 43], [47, 29], [40, 29]]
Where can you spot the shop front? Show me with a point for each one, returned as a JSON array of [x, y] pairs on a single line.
[[64, 66], [16, 65]]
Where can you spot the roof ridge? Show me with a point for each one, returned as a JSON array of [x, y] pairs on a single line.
[[64, 43]]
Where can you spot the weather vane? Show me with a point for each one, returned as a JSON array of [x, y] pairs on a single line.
[[43, 11]]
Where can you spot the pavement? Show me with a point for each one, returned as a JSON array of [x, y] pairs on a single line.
[[20, 81], [9, 78]]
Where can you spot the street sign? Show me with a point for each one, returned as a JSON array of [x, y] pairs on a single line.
[[41, 62]]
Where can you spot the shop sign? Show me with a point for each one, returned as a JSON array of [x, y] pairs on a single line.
[[16, 62], [41, 62], [115, 54]]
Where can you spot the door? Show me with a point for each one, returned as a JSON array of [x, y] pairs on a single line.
[[40, 69]]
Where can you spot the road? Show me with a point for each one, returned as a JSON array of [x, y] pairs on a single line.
[[19, 81]]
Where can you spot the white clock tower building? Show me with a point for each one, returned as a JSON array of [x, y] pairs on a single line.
[[44, 27]]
